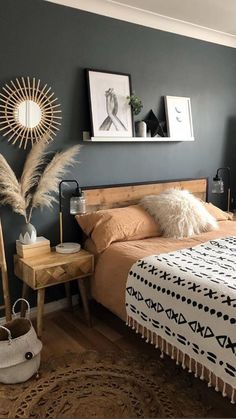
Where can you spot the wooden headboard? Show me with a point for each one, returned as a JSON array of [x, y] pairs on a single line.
[[112, 196]]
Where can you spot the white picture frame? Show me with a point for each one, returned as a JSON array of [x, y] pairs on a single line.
[[179, 117], [111, 115]]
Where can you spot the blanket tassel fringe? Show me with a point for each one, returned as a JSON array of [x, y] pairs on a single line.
[[174, 353]]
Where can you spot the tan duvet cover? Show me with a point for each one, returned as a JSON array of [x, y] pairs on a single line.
[[112, 266]]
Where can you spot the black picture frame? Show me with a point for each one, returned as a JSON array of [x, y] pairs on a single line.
[[110, 114]]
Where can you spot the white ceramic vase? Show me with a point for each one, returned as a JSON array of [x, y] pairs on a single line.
[[141, 129], [28, 234]]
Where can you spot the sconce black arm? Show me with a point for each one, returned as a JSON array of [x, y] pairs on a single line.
[[60, 190]]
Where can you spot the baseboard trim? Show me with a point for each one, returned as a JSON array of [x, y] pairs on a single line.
[[49, 307]]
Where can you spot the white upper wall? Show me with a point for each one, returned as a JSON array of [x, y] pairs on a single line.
[[208, 20]]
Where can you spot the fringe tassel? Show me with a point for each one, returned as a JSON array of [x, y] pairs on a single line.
[[167, 348], [233, 396], [177, 357], [190, 365], [224, 394], [153, 339], [202, 374], [210, 379], [162, 349], [156, 342]]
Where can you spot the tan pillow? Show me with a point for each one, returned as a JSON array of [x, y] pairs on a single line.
[[216, 212], [118, 224]]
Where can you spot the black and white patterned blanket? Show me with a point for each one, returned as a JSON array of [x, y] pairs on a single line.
[[188, 297]]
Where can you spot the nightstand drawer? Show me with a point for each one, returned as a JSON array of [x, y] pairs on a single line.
[[54, 268], [65, 272]]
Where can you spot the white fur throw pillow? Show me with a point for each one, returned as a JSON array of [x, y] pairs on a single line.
[[179, 213]]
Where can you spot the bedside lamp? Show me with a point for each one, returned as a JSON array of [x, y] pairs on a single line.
[[77, 206], [218, 186]]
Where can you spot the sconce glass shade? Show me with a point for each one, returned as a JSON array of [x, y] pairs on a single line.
[[217, 186], [77, 205]]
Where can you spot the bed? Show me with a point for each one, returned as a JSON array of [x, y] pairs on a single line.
[[113, 264]]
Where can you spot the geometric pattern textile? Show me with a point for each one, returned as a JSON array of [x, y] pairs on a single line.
[[188, 298]]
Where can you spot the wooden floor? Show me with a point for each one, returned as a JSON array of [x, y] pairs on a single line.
[[66, 331]]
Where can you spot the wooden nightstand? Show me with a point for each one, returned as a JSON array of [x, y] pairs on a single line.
[[40, 272]]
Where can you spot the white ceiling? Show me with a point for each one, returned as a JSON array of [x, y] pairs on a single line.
[[219, 15], [209, 20]]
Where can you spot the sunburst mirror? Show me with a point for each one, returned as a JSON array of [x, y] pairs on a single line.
[[28, 112]]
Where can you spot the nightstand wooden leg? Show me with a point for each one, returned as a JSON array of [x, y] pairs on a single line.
[[40, 307], [84, 297], [25, 295], [68, 295]]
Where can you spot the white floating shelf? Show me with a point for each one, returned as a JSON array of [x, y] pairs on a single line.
[[135, 139]]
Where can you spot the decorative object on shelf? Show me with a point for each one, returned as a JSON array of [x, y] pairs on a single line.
[[28, 234], [38, 182], [135, 103], [77, 206], [111, 115], [28, 112], [154, 125], [20, 349], [141, 129], [218, 186], [179, 116]]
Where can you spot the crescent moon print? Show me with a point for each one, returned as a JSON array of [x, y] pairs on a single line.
[[179, 118], [112, 107]]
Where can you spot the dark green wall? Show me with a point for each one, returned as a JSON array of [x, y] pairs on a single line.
[[56, 43]]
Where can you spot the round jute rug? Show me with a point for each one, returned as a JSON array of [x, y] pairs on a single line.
[[94, 385]]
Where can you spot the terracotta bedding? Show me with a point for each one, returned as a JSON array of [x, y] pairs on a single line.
[[112, 266]]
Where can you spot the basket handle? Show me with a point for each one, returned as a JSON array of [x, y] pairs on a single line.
[[16, 302], [8, 332]]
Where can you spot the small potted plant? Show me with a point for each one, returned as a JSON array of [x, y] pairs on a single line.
[[136, 105]]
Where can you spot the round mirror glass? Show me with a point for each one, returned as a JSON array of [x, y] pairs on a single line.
[[29, 113]]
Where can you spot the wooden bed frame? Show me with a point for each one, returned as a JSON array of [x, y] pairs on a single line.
[[112, 196]]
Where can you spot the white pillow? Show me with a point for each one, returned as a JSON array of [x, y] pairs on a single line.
[[179, 213]]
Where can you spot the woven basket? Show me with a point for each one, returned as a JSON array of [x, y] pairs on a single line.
[[19, 350]]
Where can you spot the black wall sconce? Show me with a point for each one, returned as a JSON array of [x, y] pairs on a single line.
[[77, 206], [218, 186]]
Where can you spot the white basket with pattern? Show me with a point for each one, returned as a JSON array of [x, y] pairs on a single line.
[[20, 349]]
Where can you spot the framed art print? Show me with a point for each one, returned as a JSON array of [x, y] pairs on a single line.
[[179, 117], [111, 115]]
